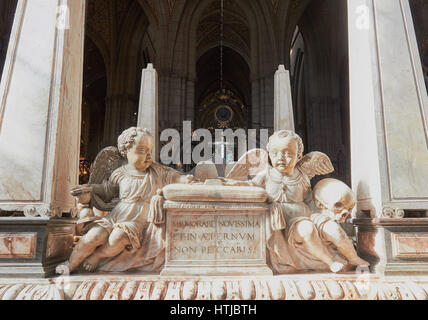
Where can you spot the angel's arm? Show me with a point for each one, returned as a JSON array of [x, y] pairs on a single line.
[[108, 189], [257, 181], [308, 199], [170, 176]]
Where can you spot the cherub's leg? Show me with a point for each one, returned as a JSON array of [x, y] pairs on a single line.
[[117, 242], [307, 234], [336, 235], [86, 245]]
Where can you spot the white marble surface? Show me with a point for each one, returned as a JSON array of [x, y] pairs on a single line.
[[215, 230], [280, 287], [149, 105], [23, 135], [366, 179], [405, 131], [40, 107], [283, 103], [388, 133]]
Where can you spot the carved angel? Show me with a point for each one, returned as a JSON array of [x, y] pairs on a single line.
[[292, 238], [255, 162], [121, 191]]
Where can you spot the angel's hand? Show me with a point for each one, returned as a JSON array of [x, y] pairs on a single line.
[[189, 179], [76, 191], [81, 191], [230, 182]]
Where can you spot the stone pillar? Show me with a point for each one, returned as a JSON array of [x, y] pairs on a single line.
[[189, 115], [149, 106], [283, 102], [120, 115], [262, 110], [254, 123], [40, 115], [388, 110]]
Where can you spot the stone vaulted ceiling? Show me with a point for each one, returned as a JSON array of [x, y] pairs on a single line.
[[236, 31]]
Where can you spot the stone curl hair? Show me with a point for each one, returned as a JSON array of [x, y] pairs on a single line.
[[127, 139], [282, 134]]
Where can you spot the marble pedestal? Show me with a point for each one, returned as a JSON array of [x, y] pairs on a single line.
[[207, 237], [394, 246], [32, 248]]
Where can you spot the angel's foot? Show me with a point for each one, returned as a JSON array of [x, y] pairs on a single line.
[[336, 267], [91, 263], [357, 261], [63, 268], [76, 239]]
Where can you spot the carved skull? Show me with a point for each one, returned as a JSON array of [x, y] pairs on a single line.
[[335, 198]]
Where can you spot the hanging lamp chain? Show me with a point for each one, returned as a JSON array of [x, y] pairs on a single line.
[[221, 42]]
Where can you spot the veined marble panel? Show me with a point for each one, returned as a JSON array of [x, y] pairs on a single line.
[[25, 100], [17, 245], [410, 245], [403, 111]]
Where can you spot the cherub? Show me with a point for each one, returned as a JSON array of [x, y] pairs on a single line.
[[87, 212], [335, 201], [135, 183], [294, 239]]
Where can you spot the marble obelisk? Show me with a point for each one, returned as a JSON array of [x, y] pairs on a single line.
[[149, 105], [283, 103]]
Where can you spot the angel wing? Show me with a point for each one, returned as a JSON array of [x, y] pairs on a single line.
[[250, 164], [205, 170], [108, 160], [315, 163]]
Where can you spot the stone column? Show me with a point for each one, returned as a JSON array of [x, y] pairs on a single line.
[[149, 106], [262, 112], [283, 102], [120, 115], [40, 115], [388, 110]]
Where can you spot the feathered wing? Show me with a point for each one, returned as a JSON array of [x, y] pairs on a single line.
[[108, 160], [315, 163], [250, 164], [205, 170]]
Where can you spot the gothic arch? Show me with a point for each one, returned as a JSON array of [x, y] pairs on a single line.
[[292, 11], [150, 10], [100, 44], [123, 92], [326, 97]]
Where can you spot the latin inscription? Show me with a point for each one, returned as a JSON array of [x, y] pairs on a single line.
[[215, 237]]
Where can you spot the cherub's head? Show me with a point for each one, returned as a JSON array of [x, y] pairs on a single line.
[[285, 149], [136, 145], [335, 198]]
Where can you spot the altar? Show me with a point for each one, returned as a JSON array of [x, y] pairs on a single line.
[[215, 230]]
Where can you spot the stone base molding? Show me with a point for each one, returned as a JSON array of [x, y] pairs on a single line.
[[153, 287]]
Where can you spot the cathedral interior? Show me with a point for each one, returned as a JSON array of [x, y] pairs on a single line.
[[216, 62]]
